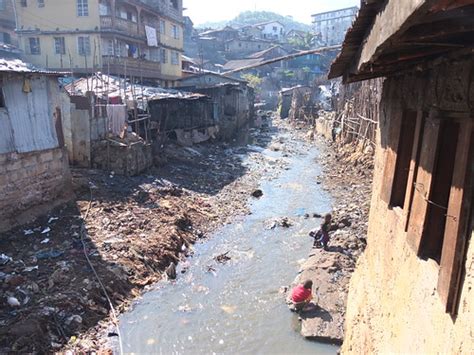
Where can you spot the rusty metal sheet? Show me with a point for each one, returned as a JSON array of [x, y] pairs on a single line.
[[30, 115]]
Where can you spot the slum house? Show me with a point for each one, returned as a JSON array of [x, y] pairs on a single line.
[[34, 172], [234, 107], [207, 79], [106, 123], [285, 99], [412, 289], [185, 119]]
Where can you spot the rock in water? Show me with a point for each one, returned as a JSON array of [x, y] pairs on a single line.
[[13, 302], [171, 271], [257, 193]]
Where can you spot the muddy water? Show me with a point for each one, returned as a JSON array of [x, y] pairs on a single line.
[[236, 307]]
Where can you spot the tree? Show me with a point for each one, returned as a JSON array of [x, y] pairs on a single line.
[[254, 81]]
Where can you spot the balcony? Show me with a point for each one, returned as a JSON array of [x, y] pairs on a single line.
[[131, 67], [119, 24]]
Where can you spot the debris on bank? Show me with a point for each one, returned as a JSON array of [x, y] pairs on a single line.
[[134, 230]]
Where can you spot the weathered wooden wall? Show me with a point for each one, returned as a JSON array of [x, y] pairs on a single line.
[[395, 304]]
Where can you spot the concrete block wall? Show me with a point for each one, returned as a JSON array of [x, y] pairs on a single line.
[[30, 183]]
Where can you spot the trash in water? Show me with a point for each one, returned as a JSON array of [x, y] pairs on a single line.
[[49, 254], [151, 341], [52, 219], [28, 232], [30, 268], [45, 241], [46, 230], [185, 308], [222, 258], [229, 309], [5, 259], [13, 302]]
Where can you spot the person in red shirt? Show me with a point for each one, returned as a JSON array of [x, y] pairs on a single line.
[[302, 294]]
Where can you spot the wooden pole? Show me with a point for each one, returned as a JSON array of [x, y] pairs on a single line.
[[286, 57]]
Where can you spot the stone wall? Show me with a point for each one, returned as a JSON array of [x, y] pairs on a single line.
[[394, 304], [122, 157], [31, 183]]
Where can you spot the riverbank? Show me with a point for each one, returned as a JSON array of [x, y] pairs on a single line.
[[347, 176], [131, 229]]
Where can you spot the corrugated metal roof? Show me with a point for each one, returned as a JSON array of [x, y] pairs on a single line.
[[110, 86], [355, 36], [19, 66]]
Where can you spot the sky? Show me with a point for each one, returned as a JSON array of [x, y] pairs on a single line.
[[202, 11]]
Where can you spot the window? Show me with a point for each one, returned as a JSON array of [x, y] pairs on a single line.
[[175, 32], [34, 43], [404, 155], [82, 8], [104, 9], [5, 38], [175, 4], [442, 176], [164, 55], [2, 5], [154, 54], [163, 27], [83, 46], [439, 204], [2, 98], [24, 3], [59, 45], [175, 58], [110, 46], [275, 29], [40, 3]]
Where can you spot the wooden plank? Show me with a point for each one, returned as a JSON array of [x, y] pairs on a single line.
[[283, 58], [422, 185], [404, 154], [391, 21], [458, 218], [391, 155], [415, 158]]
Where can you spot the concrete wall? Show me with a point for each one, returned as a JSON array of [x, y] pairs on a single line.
[[172, 44], [30, 183], [35, 19], [394, 304]]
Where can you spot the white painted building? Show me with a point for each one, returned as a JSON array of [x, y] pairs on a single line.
[[272, 30], [333, 25]]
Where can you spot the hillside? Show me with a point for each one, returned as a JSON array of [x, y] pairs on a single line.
[[254, 17]]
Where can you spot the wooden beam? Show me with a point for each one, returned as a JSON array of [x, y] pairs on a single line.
[[422, 185], [390, 21], [458, 219], [283, 58]]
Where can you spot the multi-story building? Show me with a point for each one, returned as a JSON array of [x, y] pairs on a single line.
[[333, 25], [7, 23], [133, 38]]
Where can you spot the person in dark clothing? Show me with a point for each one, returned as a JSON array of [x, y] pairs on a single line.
[[321, 237]]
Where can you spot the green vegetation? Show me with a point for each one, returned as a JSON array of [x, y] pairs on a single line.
[[307, 42], [254, 81]]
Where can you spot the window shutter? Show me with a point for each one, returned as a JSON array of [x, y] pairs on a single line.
[[423, 182], [458, 220]]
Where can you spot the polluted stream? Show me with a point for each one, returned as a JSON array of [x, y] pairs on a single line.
[[236, 305]]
